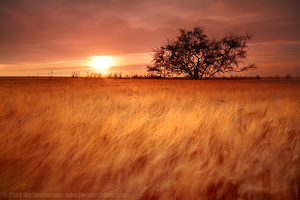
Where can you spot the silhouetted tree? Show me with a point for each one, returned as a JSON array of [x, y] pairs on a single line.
[[194, 55]]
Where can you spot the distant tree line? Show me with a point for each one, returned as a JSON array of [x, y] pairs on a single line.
[[151, 75]]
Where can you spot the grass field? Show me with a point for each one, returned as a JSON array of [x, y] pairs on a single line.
[[150, 139]]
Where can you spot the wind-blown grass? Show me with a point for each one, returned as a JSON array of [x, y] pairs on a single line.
[[151, 139]]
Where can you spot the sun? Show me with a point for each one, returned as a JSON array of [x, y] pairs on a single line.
[[101, 62]]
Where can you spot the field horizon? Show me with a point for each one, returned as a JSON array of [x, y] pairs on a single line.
[[150, 138]]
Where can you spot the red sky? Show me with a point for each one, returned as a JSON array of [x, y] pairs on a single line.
[[62, 35]]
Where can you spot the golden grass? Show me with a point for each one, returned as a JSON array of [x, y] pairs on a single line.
[[151, 139]]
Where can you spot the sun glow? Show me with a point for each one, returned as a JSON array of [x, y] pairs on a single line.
[[101, 62]]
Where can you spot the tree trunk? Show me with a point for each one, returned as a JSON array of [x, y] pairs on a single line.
[[196, 74]]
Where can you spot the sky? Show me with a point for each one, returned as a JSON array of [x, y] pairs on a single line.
[[63, 35]]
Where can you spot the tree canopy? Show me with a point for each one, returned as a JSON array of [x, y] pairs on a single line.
[[193, 54]]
